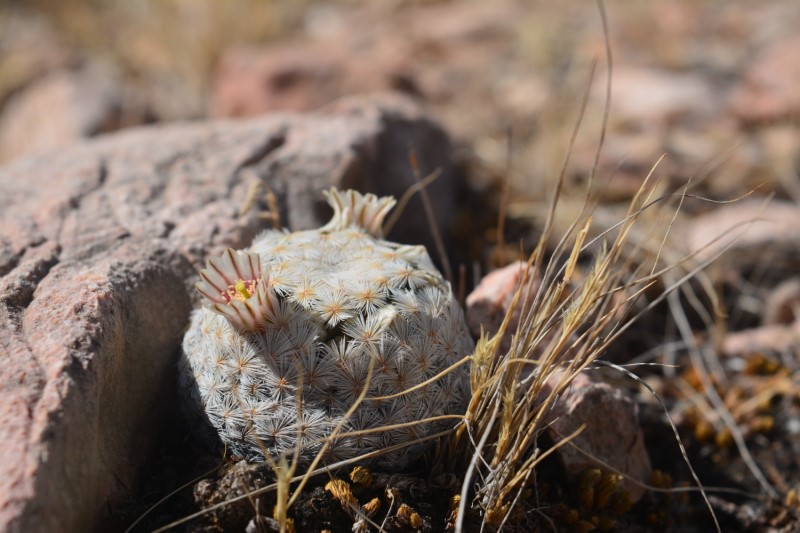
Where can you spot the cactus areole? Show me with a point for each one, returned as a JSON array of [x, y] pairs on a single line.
[[329, 340]]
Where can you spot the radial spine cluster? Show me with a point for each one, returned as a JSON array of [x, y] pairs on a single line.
[[295, 328]]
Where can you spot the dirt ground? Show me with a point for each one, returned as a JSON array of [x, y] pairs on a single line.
[[710, 86]]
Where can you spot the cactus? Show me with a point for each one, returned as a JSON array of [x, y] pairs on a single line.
[[294, 328]]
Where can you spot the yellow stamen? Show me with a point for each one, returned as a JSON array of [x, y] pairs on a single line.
[[241, 289]]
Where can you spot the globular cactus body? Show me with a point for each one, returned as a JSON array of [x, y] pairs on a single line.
[[297, 327]]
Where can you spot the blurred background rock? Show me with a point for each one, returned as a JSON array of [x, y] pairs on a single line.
[[712, 84]]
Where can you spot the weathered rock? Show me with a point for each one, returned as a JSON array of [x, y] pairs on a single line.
[[612, 433], [297, 77], [651, 99], [769, 87], [780, 146], [98, 248], [30, 47], [488, 303], [751, 232], [772, 338], [248, 83], [63, 108], [445, 54], [782, 304]]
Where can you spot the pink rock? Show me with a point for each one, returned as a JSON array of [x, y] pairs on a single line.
[[99, 247], [769, 86], [30, 47], [298, 76], [64, 108], [653, 98], [612, 432], [749, 228], [437, 52], [776, 338], [249, 83], [487, 304], [782, 305]]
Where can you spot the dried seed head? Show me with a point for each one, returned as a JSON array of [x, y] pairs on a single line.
[[372, 507], [605, 489], [361, 476], [341, 492], [404, 512], [587, 483]]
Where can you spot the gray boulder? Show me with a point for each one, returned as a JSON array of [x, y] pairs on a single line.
[[99, 248]]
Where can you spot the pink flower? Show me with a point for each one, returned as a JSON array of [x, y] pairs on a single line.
[[236, 289]]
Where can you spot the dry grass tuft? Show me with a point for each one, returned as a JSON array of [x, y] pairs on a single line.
[[568, 323]]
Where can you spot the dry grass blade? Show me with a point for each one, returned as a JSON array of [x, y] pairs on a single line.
[[500, 244], [429, 214], [699, 363], [407, 195], [284, 470]]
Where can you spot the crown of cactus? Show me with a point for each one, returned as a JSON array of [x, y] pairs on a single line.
[[297, 326]]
